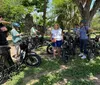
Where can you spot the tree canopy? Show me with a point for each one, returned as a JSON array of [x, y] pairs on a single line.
[[13, 10], [67, 13], [85, 9]]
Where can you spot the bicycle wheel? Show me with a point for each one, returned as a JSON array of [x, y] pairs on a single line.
[[1, 73], [1, 69], [33, 59], [90, 55], [49, 49]]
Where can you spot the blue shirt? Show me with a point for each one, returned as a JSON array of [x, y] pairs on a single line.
[[77, 31], [83, 32], [15, 38]]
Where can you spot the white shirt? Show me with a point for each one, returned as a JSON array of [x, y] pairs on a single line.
[[57, 34]]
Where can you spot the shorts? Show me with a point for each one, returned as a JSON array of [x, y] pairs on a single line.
[[57, 43]]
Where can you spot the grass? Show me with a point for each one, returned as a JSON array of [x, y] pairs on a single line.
[[54, 72]]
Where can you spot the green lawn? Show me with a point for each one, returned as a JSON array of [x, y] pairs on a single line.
[[54, 72]]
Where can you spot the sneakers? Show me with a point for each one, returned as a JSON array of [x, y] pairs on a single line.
[[81, 54], [83, 57]]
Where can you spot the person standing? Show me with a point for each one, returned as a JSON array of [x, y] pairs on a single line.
[[4, 42], [3, 31], [83, 39], [33, 31], [56, 38]]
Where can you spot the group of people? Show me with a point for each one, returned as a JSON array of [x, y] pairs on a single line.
[[81, 31], [16, 35], [56, 36]]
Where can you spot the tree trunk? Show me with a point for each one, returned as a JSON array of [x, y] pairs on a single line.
[[85, 9], [28, 23], [88, 18], [44, 16]]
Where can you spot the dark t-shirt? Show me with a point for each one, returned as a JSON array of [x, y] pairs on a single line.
[[3, 40], [1, 25]]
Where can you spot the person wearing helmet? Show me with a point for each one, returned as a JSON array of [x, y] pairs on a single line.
[[84, 29], [15, 37]]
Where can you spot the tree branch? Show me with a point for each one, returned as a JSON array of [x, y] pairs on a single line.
[[95, 8], [80, 6], [88, 4]]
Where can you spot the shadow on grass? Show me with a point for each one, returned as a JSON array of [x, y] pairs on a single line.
[[78, 73], [33, 73]]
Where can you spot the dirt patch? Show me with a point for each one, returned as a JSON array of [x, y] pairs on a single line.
[[96, 79]]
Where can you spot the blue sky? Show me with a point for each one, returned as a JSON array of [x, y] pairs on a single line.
[[50, 1], [92, 3]]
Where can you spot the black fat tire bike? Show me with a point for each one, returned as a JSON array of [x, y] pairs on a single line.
[[27, 57]]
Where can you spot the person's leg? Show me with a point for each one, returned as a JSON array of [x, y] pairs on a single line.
[[54, 52], [7, 57], [17, 48], [10, 61], [59, 43], [81, 47], [59, 51], [85, 47], [54, 49]]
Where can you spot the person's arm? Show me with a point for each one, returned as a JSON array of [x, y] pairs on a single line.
[[18, 35], [3, 29], [13, 33], [89, 30], [62, 35], [5, 22]]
